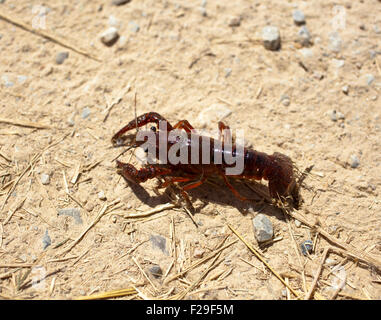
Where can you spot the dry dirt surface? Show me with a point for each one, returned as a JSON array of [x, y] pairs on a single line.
[[64, 93]]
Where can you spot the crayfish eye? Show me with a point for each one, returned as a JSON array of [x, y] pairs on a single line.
[[153, 129]]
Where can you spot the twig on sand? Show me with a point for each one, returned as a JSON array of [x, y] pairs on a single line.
[[46, 35], [312, 288], [22, 123], [256, 253]]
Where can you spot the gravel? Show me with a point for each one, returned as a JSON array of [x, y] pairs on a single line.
[[61, 57], [198, 253], [369, 78], [6, 81], [306, 247], [345, 89], [156, 271], [263, 228], [85, 113], [235, 22], [335, 42], [285, 99], [158, 242], [338, 63], [120, 2], [46, 241], [336, 115], [21, 79], [101, 195], [45, 179], [228, 72], [354, 161], [298, 17], [133, 26], [203, 12], [304, 37], [110, 36], [271, 38]]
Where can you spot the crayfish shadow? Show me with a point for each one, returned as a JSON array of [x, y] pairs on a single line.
[[145, 197], [222, 196], [218, 194]]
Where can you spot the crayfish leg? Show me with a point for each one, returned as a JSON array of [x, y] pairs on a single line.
[[184, 124], [232, 189], [130, 173]]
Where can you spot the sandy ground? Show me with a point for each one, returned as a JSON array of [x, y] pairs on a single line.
[[180, 58]]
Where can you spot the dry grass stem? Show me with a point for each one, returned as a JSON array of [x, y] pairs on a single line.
[[99, 216], [109, 294], [39, 32], [317, 275], [144, 274], [21, 123], [199, 262], [256, 253]]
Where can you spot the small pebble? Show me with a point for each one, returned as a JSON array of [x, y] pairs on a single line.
[[134, 27], [228, 72], [330, 262], [71, 212], [85, 113], [156, 271], [45, 179], [354, 161], [297, 223], [110, 36], [158, 242], [113, 22], [89, 206], [120, 2], [21, 79], [335, 42], [46, 241], [376, 29], [61, 57], [336, 115], [203, 12], [369, 78], [345, 89], [338, 63], [271, 38], [70, 122], [6, 81], [198, 253], [306, 52], [298, 17], [285, 99], [263, 228], [101, 195], [235, 22], [304, 37], [318, 75], [306, 247]]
